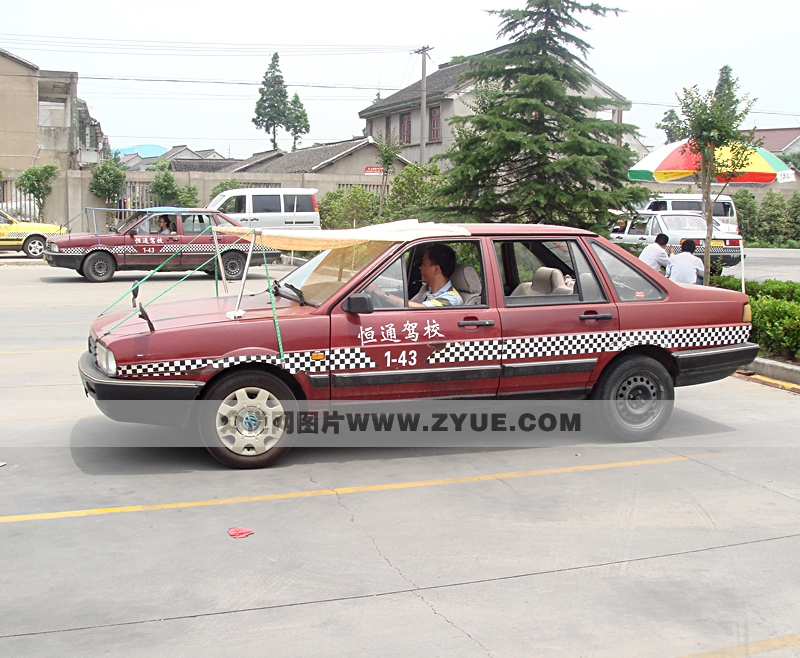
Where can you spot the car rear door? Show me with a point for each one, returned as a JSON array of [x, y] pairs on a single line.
[[554, 340], [398, 352]]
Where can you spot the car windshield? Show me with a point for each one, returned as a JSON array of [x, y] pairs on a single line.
[[330, 270], [684, 222], [135, 217]]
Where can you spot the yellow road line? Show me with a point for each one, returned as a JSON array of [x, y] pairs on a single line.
[[344, 490], [751, 648], [776, 382], [42, 351]]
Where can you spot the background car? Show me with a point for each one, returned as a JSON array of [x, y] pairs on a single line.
[[140, 243], [284, 208], [642, 229], [28, 237]]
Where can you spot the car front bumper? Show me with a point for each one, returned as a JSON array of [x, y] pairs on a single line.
[[712, 363], [166, 403], [56, 259]]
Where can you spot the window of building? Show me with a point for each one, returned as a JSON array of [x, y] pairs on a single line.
[[388, 132], [405, 128], [370, 128], [434, 124]]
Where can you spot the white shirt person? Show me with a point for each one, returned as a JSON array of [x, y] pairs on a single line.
[[685, 267], [655, 254]]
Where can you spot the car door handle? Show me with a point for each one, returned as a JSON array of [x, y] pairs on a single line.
[[642, 239], [476, 323], [596, 316], [173, 239]]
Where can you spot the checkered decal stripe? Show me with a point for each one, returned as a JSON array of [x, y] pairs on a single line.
[[294, 362], [72, 251], [575, 344], [729, 251], [479, 350], [209, 248]]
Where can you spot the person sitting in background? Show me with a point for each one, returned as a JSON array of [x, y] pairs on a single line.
[[685, 267], [655, 254]]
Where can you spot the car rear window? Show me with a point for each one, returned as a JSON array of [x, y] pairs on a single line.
[[630, 284], [298, 203]]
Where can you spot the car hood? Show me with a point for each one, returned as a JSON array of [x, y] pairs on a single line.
[[83, 238]]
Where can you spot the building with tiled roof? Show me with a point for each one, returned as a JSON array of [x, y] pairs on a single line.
[[779, 140]]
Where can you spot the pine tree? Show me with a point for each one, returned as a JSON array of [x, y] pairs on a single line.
[[272, 105], [670, 124], [534, 150], [296, 120]]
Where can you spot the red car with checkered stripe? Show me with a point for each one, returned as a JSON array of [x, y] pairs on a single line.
[[546, 312]]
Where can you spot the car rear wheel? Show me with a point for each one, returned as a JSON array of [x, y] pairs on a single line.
[[636, 397], [244, 418], [34, 246], [233, 262], [99, 267]]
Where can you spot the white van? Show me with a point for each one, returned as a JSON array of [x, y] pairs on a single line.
[[724, 208], [270, 207]]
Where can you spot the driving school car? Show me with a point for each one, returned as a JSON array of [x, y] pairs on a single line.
[[547, 311], [141, 243], [28, 237]]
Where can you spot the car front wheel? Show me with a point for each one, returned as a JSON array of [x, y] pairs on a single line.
[[233, 262], [99, 267], [244, 419], [636, 396], [33, 247]]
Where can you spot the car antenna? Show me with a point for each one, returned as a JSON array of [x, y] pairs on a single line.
[[145, 317], [135, 293]]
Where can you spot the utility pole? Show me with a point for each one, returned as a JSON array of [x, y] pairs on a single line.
[[423, 101]]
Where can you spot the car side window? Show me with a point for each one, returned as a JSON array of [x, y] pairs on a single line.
[[266, 203], [195, 224], [542, 272], [638, 226], [629, 284], [298, 203], [235, 204], [389, 287]]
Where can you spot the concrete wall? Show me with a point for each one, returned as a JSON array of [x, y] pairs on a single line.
[[759, 191], [18, 116]]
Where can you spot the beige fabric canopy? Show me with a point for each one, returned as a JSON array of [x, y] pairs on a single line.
[[401, 231]]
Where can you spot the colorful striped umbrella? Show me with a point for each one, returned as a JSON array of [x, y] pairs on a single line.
[[675, 161]]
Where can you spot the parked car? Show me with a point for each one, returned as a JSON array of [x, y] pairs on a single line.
[[266, 207], [724, 210], [27, 237], [141, 244], [642, 229], [621, 332]]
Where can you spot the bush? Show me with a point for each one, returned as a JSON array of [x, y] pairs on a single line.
[[224, 186], [108, 180], [38, 182], [773, 220], [412, 191], [793, 215], [747, 214], [348, 208], [776, 325], [187, 197]]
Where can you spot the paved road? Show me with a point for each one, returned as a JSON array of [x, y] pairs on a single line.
[[581, 547]]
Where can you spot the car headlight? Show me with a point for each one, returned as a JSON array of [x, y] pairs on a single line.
[[52, 246], [105, 360]]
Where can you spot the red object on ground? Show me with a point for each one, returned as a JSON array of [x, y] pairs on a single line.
[[239, 533]]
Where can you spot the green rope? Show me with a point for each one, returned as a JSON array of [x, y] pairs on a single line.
[[216, 275], [199, 267], [139, 283], [274, 310]]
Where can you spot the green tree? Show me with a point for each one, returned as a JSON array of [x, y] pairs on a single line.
[[412, 191], [388, 150], [187, 197], [272, 105], [348, 208], [791, 159], [224, 186], [534, 150], [773, 218], [164, 189], [296, 120], [108, 180], [710, 121], [38, 182], [747, 214], [670, 124], [793, 215]]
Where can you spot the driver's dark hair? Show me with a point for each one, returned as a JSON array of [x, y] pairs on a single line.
[[443, 256]]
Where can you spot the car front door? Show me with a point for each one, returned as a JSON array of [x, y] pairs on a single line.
[[147, 247], [556, 318], [399, 352]]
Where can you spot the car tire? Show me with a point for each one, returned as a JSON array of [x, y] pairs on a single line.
[[636, 396], [34, 246], [99, 267], [80, 271], [233, 262], [243, 419]]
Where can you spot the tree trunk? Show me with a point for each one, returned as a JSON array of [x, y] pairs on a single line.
[[706, 170]]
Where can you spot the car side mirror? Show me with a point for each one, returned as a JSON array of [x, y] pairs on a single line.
[[359, 303]]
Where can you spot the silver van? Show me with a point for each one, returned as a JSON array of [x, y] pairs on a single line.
[[270, 207]]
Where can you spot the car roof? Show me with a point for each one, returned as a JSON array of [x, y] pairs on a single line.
[[174, 209], [516, 229], [271, 190]]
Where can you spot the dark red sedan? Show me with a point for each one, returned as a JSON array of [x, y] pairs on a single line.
[[149, 238]]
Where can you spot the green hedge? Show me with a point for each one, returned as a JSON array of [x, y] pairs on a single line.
[[776, 313]]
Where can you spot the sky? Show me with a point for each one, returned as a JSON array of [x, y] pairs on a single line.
[[338, 55]]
